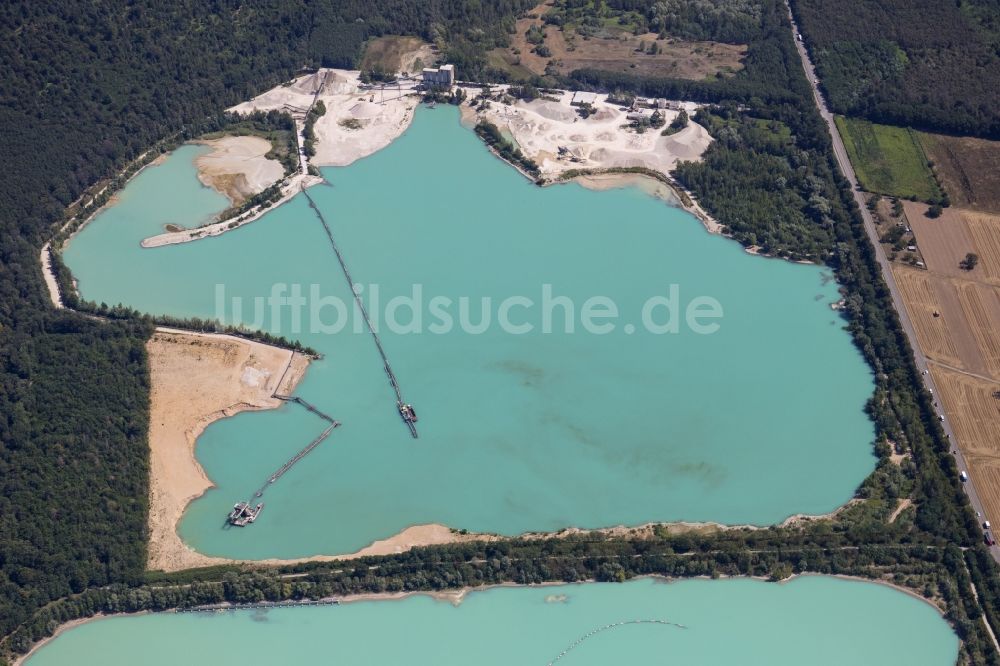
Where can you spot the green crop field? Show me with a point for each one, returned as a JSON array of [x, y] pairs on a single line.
[[888, 160]]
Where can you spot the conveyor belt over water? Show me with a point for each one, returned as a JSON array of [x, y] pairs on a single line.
[[400, 403]]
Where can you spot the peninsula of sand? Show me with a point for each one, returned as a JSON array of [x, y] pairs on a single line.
[[238, 167], [200, 378], [197, 379]]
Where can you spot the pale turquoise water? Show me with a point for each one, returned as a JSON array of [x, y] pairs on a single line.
[[762, 420], [816, 621]]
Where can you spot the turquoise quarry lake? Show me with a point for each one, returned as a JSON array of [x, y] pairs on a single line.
[[813, 620], [518, 432]]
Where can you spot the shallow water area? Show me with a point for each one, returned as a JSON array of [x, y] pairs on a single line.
[[813, 620], [519, 432]]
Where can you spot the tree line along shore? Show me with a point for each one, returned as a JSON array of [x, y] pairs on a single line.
[[770, 152]]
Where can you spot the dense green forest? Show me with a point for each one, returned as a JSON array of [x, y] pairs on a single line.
[[917, 63], [89, 86], [86, 88]]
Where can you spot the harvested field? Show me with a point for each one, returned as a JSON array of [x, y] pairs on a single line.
[[924, 295], [888, 160], [968, 168], [975, 414], [985, 231], [617, 50], [963, 342], [981, 306], [945, 241]]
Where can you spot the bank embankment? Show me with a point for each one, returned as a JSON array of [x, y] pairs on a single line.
[[238, 167], [197, 379]]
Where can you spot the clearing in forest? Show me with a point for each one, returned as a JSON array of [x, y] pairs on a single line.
[[888, 160], [392, 54], [614, 46]]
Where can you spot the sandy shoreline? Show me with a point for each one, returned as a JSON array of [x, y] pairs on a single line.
[[559, 141], [51, 285], [358, 121], [292, 187], [214, 364], [553, 134], [435, 534], [197, 379], [654, 188], [237, 166]]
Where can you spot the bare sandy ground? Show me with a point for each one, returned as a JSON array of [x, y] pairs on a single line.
[[197, 379], [609, 181], [379, 117], [237, 167], [377, 124], [50, 278], [356, 124], [291, 187], [431, 534], [652, 187], [361, 120], [542, 127]]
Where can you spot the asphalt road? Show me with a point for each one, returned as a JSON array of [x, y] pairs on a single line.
[[918, 355]]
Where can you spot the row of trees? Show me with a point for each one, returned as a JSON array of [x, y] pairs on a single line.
[[938, 571], [505, 148], [309, 130]]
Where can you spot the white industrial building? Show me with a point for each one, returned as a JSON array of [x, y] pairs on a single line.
[[443, 76]]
